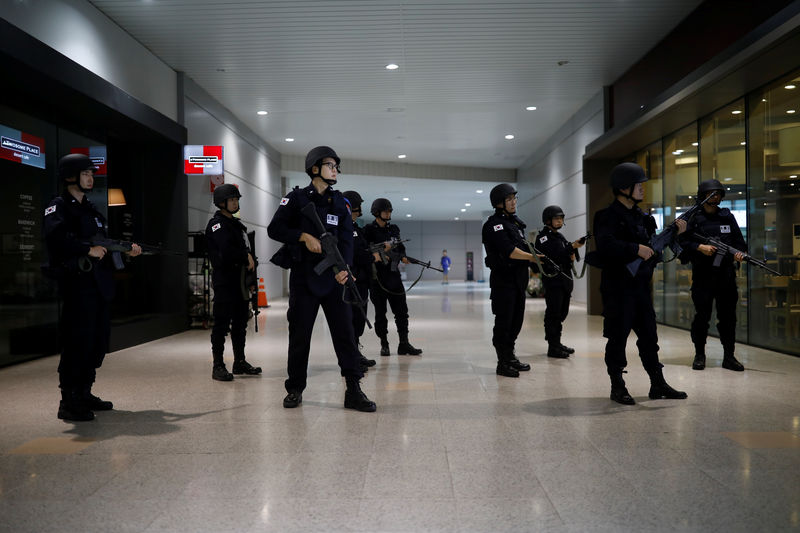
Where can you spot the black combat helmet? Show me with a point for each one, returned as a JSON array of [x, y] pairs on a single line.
[[223, 192], [354, 198], [707, 186], [71, 166], [550, 212], [316, 155], [500, 192], [379, 205], [627, 175]]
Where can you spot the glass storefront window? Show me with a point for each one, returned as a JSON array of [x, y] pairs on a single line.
[[680, 186], [774, 210], [650, 159], [723, 157]]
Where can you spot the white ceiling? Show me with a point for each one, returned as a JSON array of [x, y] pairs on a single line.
[[468, 68]]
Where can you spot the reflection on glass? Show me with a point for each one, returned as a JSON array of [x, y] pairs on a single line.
[[774, 232]]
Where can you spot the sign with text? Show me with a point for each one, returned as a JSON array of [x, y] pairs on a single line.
[[204, 160], [21, 147]]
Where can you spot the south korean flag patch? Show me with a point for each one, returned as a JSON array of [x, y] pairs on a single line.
[[725, 229], [215, 227], [543, 239], [284, 201], [50, 210], [498, 227]]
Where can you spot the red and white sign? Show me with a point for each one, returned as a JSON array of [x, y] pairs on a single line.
[[98, 156], [21, 147], [203, 160]]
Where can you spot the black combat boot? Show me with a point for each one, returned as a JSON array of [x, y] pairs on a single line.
[[619, 393], [555, 351], [504, 367], [384, 346], [363, 361], [519, 365], [354, 397], [730, 362], [243, 367], [567, 349], [405, 348], [293, 399], [220, 373], [660, 390], [73, 407], [94, 403], [699, 362]]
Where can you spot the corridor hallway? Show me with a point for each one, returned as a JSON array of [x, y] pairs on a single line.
[[452, 446]]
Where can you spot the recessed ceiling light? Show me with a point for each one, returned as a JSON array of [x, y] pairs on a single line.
[[467, 204], [791, 111], [262, 112], [408, 215], [455, 218], [509, 136], [479, 191], [740, 192], [531, 108], [771, 190], [289, 139], [736, 112], [790, 86], [401, 156], [463, 210], [743, 143], [793, 176], [695, 144], [392, 66], [763, 99], [729, 188], [405, 198]]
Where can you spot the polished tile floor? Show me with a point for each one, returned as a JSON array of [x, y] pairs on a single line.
[[452, 447]]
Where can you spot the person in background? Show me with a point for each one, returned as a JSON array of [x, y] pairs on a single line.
[[445, 267]]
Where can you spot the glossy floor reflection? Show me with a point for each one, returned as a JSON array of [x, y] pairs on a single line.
[[452, 447]]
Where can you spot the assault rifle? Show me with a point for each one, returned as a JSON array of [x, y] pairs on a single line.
[[333, 258], [721, 250], [117, 248], [393, 256], [249, 280], [668, 237]]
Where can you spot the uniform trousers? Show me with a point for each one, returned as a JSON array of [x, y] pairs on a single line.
[[359, 318], [508, 307], [229, 315], [399, 307], [86, 330], [303, 309], [556, 296], [705, 290], [628, 306]]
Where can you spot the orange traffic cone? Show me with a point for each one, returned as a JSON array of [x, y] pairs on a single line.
[[262, 296]]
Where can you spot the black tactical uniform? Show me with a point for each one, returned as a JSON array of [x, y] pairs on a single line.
[[309, 290], [711, 283], [228, 251], [86, 288], [627, 300], [387, 285], [508, 280], [557, 286], [362, 270]]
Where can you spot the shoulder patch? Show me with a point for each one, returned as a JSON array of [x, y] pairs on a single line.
[[498, 227], [724, 228], [49, 210], [543, 239], [284, 201], [216, 226]]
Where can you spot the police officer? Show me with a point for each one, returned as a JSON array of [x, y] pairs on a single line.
[[557, 282], [622, 232], [86, 286], [503, 237], [230, 258], [387, 285], [711, 283], [362, 270], [308, 290]]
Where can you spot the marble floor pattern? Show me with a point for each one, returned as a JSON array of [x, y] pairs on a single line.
[[452, 446]]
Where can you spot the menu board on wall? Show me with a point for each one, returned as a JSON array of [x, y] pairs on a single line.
[[21, 147]]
